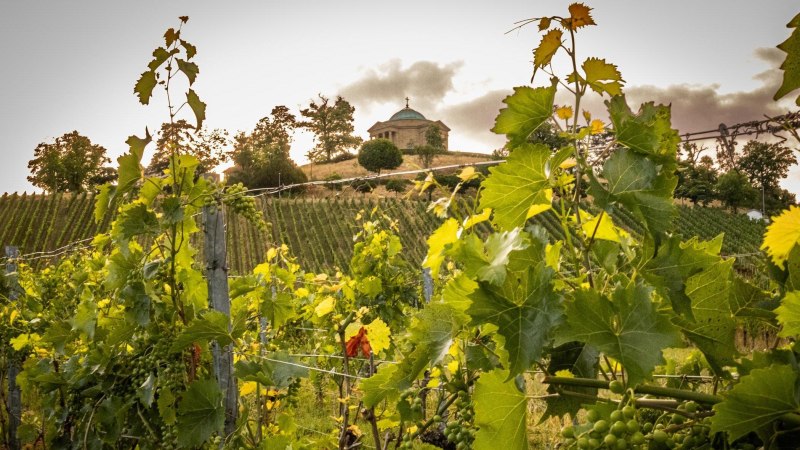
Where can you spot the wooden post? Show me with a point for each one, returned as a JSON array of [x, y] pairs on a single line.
[[217, 276], [14, 407], [427, 284]]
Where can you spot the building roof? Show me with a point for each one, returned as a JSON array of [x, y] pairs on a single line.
[[407, 114]]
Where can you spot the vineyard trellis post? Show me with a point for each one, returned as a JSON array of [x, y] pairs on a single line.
[[427, 284], [14, 407], [217, 276]]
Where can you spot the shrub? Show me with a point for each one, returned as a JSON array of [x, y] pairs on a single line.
[[397, 185], [379, 154], [334, 186], [363, 186]]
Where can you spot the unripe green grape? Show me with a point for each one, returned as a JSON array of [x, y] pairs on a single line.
[[616, 415], [619, 428], [592, 415], [616, 387], [601, 426]]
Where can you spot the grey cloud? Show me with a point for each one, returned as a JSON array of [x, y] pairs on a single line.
[[699, 108], [425, 82], [475, 117]]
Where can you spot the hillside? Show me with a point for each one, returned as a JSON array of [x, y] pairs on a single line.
[[319, 231]]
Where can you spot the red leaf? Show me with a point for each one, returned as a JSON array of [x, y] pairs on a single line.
[[361, 341]]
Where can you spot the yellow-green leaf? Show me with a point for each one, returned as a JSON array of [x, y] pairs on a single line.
[[548, 47], [789, 315], [782, 235], [528, 108], [500, 413], [144, 86], [603, 77]]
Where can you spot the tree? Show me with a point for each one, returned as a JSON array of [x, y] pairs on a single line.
[[379, 154], [734, 190], [332, 126], [208, 146], [697, 175], [434, 145], [765, 165], [262, 157], [70, 164], [548, 135]]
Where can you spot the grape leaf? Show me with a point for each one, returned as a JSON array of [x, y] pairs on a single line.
[[580, 16], [432, 332], [675, 262], [191, 50], [212, 326], [144, 86], [200, 413], [445, 235], [525, 309], [633, 180], [548, 47], [198, 107], [756, 401], [85, 319], [278, 373], [147, 390], [791, 65], [628, 327], [713, 329], [581, 360], [648, 132], [130, 168], [498, 247], [500, 413], [528, 108], [190, 69], [782, 235], [517, 185], [789, 315], [103, 200], [278, 308], [159, 56], [603, 77]]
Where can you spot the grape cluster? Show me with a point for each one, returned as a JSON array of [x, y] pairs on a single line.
[[244, 205], [461, 431], [628, 427]]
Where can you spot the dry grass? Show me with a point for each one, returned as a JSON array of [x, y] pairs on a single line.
[[351, 168]]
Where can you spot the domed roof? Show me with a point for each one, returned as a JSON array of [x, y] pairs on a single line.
[[407, 114]]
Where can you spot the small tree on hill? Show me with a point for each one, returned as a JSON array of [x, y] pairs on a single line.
[[379, 154], [434, 145], [332, 125], [70, 164]]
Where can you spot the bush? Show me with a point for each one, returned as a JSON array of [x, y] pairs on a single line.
[[397, 185], [335, 186], [363, 186], [346, 156], [379, 154]]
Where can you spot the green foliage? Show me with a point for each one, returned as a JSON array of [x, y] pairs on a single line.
[[735, 191], [378, 154], [262, 158], [208, 146], [528, 108], [500, 413], [332, 125], [200, 413], [70, 164], [791, 65], [756, 401]]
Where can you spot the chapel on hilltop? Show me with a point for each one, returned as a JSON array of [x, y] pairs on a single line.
[[406, 129]]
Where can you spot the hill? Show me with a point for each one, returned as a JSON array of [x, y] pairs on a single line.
[[319, 231]]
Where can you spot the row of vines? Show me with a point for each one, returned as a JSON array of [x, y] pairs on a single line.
[[327, 224]]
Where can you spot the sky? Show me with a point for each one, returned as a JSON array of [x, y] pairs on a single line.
[[72, 65]]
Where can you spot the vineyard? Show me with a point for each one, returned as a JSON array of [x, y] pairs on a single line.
[[319, 232], [568, 304]]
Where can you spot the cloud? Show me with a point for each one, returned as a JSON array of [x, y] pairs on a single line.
[[476, 117], [425, 82], [699, 108]]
